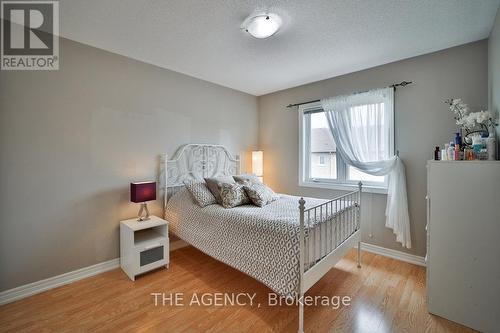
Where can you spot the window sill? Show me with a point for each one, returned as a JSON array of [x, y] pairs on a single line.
[[344, 187]]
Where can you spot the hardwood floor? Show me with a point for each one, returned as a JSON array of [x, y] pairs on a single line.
[[387, 296]]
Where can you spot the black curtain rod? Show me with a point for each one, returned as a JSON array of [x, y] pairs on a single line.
[[401, 84]]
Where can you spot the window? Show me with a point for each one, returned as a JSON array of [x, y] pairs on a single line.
[[321, 166]]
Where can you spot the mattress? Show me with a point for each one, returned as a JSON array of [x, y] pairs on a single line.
[[262, 242]]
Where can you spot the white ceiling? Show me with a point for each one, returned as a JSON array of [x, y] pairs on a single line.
[[319, 39]]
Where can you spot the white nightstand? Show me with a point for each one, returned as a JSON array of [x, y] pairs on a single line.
[[143, 245]]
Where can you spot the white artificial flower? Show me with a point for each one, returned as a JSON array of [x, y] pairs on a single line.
[[481, 117], [459, 108]]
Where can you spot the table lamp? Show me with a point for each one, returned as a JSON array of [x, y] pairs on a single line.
[[258, 163], [142, 192]]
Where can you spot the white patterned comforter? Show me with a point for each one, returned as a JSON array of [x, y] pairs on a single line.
[[262, 242]]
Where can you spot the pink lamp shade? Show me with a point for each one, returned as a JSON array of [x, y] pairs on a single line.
[[142, 191]]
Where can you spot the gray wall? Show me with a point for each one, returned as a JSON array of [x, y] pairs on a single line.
[[494, 72], [71, 141], [423, 121]]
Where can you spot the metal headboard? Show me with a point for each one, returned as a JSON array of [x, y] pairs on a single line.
[[195, 162]]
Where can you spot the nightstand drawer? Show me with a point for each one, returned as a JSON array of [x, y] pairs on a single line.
[[151, 265], [151, 256]]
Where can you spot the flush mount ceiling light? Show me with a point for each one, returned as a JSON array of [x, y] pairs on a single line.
[[262, 26]]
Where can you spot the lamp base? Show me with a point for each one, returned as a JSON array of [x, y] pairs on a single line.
[[143, 214]]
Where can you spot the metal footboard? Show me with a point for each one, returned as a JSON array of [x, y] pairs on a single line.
[[327, 231]]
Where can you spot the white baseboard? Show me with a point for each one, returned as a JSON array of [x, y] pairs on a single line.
[[30, 289], [394, 254], [56, 281]]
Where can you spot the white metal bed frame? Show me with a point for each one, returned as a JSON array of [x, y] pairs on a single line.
[[339, 219]]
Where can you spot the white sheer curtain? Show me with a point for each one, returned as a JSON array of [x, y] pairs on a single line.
[[360, 125]]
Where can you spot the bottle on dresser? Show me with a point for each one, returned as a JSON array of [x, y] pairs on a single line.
[[437, 154], [451, 151], [444, 152], [491, 146], [477, 144], [456, 155], [458, 139]]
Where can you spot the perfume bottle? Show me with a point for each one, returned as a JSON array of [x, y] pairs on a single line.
[[437, 154], [458, 139]]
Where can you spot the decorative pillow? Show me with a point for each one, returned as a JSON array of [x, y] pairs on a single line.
[[241, 179], [213, 185], [260, 194], [232, 195], [200, 193]]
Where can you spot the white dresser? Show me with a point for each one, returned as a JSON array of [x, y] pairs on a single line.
[[463, 242]]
